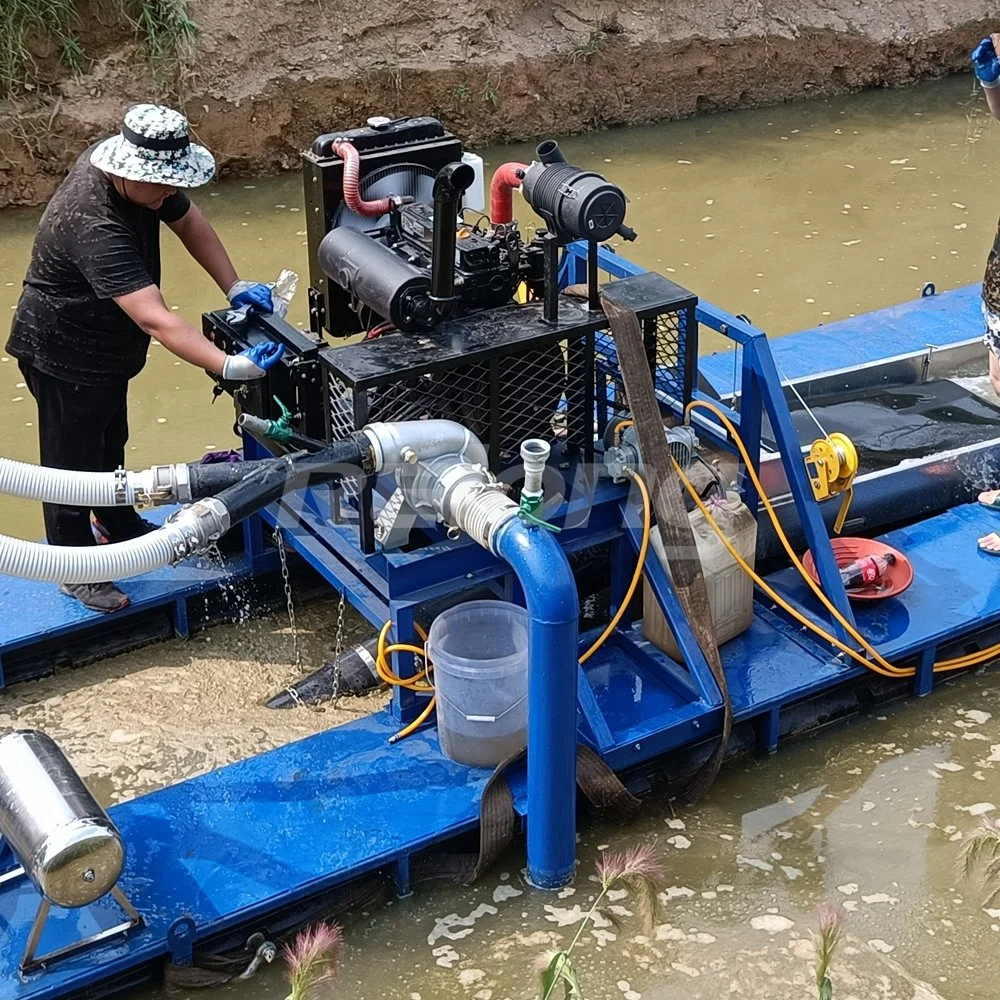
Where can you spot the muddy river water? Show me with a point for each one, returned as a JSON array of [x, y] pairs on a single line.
[[797, 216]]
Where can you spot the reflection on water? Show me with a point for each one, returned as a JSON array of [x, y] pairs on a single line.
[[870, 817]]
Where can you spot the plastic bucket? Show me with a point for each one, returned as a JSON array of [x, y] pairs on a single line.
[[480, 654]]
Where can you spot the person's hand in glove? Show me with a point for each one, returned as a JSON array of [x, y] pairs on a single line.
[[253, 362], [253, 294], [985, 63]]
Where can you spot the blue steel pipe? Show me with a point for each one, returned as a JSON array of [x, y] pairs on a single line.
[[550, 594]]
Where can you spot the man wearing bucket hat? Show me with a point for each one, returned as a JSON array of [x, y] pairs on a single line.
[[91, 302]]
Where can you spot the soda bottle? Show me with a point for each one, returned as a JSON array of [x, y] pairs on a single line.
[[866, 571]]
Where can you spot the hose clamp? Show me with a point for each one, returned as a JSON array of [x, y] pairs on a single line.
[[196, 527], [121, 487]]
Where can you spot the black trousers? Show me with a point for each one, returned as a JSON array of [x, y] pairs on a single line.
[[84, 428]]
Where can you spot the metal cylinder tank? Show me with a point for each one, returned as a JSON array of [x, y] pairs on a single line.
[[68, 846], [389, 286]]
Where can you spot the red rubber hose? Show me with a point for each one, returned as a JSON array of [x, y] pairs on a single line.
[[352, 173], [507, 177]]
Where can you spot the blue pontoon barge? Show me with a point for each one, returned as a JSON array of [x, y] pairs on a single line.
[[490, 346]]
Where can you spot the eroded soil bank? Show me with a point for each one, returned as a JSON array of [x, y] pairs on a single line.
[[264, 78]]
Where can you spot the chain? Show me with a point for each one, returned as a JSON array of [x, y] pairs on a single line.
[[338, 646], [279, 541]]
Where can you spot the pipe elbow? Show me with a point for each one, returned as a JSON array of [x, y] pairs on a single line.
[[411, 441], [506, 178], [543, 569]]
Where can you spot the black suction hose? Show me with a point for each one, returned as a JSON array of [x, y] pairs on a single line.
[[349, 457], [207, 480]]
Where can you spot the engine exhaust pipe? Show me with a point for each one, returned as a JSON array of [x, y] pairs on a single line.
[[452, 181]]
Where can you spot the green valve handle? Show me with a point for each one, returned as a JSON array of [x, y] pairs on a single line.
[[280, 430]]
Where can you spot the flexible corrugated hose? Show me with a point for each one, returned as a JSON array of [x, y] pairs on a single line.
[[76, 489]]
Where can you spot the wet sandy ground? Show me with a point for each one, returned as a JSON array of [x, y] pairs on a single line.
[[176, 709]]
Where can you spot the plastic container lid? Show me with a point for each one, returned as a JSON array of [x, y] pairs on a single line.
[[897, 577]]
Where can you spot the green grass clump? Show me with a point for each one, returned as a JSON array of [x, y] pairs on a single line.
[[164, 27]]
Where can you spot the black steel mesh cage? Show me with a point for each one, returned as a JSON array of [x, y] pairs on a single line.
[[540, 391], [671, 340], [509, 374]]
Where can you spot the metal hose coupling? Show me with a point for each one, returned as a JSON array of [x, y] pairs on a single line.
[[195, 528], [162, 484], [476, 503]]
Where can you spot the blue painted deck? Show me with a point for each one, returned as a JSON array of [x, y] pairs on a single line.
[[938, 320], [955, 588], [246, 839]]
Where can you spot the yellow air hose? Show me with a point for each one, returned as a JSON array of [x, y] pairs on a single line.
[[878, 663]]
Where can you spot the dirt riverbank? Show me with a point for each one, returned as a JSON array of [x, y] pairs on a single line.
[[264, 78]]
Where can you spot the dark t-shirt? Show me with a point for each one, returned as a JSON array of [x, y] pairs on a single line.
[[92, 245]]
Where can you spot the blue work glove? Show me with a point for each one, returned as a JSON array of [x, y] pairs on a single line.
[[252, 294], [253, 362], [985, 63]]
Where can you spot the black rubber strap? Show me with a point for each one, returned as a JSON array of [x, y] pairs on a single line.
[[672, 521], [498, 821]]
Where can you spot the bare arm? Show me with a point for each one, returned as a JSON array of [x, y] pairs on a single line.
[[148, 310], [203, 243], [993, 100]]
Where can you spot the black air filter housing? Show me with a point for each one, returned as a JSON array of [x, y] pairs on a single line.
[[575, 204]]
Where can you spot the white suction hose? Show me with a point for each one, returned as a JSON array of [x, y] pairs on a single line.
[[94, 489], [191, 530]]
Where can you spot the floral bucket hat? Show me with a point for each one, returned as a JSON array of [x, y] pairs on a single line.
[[154, 146]]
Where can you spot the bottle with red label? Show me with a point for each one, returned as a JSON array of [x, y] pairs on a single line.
[[866, 571]]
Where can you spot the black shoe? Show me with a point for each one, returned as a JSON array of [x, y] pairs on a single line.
[[101, 597]]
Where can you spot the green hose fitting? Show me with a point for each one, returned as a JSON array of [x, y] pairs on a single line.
[[280, 430], [529, 504]]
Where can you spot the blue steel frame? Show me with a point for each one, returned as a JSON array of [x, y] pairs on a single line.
[[394, 585], [759, 391], [236, 844]]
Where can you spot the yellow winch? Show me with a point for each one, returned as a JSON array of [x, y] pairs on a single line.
[[832, 464]]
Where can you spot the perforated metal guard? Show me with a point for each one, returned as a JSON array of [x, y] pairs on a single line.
[[541, 391], [507, 375]]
